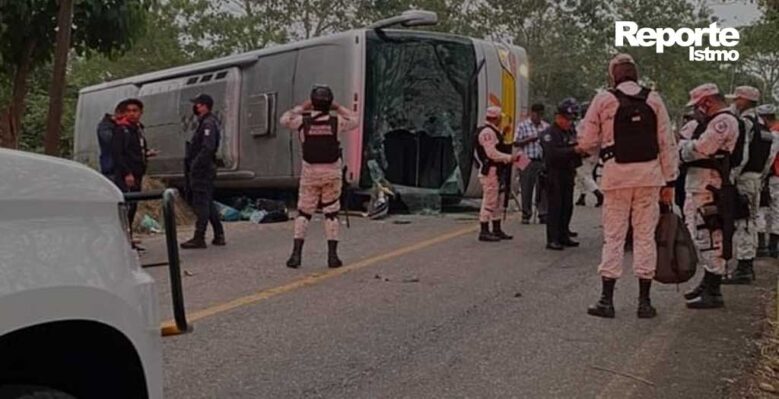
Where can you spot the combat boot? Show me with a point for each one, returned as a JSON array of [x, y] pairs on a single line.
[[773, 245], [219, 240], [332, 255], [485, 235], [498, 232], [599, 196], [711, 296], [296, 259], [695, 292], [645, 309], [581, 200], [742, 274], [762, 248], [605, 306], [198, 242]]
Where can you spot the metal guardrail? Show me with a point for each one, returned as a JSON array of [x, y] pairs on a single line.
[[168, 197]]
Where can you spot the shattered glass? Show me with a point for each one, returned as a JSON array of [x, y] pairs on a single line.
[[420, 115]]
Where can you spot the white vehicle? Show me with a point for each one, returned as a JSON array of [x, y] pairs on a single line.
[[78, 315]]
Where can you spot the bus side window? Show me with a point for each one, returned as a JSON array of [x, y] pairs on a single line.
[[262, 114]]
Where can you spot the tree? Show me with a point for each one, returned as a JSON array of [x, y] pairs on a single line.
[[57, 87], [105, 26], [760, 56]]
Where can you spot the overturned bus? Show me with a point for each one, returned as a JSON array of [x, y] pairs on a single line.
[[419, 95]]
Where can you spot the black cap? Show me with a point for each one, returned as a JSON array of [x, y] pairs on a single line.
[[204, 99], [569, 107]]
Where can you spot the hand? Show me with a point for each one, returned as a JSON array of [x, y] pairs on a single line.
[[579, 150], [129, 181], [152, 153], [667, 195], [334, 106], [307, 105]]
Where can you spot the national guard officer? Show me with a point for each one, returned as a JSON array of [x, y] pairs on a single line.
[[768, 113], [758, 150], [489, 159], [321, 174], [200, 159], [561, 161], [707, 158], [629, 124], [585, 178]]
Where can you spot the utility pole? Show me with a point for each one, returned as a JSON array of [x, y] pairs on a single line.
[[57, 88]]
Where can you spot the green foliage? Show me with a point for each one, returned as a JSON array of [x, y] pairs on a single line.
[[105, 26], [27, 39], [760, 54], [569, 43], [156, 48]]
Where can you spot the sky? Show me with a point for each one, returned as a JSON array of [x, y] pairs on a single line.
[[730, 12], [735, 12]]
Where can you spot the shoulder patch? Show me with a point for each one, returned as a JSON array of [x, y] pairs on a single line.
[[207, 132], [547, 137], [721, 127]]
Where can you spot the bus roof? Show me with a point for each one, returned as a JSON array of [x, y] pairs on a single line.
[[246, 58]]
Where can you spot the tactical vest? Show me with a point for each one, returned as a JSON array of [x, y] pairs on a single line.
[[712, 163], [759, 148], [320, 139], [635, 129], [480, 154]]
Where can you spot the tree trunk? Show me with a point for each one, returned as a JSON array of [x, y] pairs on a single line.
[[11, 116], [51, 142]]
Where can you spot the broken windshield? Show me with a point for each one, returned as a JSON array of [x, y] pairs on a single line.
[[420, 110]]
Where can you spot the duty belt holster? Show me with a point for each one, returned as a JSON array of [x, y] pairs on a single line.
[[728, 205], [607, 153], [712, 221]]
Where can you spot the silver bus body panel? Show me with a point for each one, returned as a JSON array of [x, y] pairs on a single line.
[[258, 87]]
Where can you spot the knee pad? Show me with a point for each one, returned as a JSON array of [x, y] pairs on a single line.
[[331, 215], [304, 215]]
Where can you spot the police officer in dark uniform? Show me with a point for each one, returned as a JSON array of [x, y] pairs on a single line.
[[200, 160], [562, 159]]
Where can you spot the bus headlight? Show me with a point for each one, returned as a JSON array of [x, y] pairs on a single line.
[[523, 70]]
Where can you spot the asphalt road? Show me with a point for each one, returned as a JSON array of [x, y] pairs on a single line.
[[424, 310]]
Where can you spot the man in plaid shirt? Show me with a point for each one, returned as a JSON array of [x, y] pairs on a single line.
[[527, 140]]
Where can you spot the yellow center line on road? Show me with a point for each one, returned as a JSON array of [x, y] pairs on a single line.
[[315, 278]]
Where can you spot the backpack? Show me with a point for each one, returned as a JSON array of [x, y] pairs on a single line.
[[635, 129], [759, 148], [677, 257]]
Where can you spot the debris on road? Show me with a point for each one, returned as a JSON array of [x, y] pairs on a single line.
[[623, 374], [518, 295], [149, 225], [257, 211], [411, 280], [378, 207], [227, 213], [764, 386], [184, 214]]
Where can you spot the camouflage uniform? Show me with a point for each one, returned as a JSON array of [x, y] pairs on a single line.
[[320, 183]]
